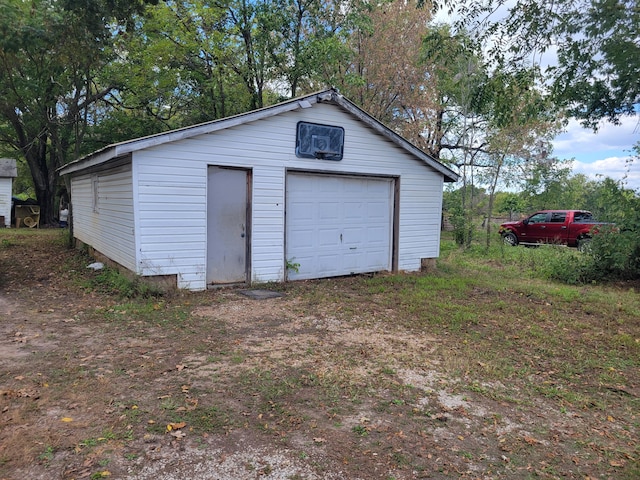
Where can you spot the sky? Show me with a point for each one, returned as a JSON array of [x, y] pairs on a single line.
[[603, 153]]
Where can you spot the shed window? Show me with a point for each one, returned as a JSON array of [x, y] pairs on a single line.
[[324, 142]]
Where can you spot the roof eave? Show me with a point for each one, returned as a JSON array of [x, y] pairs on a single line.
[[119, 149]]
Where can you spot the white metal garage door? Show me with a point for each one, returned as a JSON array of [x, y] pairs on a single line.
[[338, 225]]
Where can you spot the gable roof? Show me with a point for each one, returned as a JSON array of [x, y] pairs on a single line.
[[118, 150]]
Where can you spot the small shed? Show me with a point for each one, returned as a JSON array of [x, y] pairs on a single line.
[[8, 171], [313, 187]]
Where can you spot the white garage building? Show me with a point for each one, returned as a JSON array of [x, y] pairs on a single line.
[[309, 188]]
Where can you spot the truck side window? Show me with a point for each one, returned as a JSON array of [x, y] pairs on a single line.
[[582, 217], [538, 218], [558, 217]]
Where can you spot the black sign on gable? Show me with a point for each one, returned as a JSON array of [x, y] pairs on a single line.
[[323, 142]]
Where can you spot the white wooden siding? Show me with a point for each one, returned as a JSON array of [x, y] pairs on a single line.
[[110, 228], [170, 186], [5, 200]]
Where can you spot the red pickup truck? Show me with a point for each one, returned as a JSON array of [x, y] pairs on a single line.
[[564, 227]]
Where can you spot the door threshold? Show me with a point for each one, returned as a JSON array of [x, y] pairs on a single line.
[[220, 286]]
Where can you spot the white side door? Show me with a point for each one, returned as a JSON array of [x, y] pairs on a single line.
[[227, 229]]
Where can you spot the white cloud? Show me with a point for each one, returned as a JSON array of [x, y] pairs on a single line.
[[617, 168], [587, 146], [604, 153]]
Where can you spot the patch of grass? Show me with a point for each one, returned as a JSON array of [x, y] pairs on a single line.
[[147, 311], [90, 443], [110, 281], [360, 430], [209, 419], [6, 243]]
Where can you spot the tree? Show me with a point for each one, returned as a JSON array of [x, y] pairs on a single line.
[[172, 70], [382, 73], [489, 122], [50, 54], [456, 71], [596, 76], [508, 202]]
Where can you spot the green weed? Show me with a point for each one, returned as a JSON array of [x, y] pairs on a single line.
[[110, 281], [360, 430], [47, 455]]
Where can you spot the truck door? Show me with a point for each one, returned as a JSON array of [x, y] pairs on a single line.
[[536, 228], [556, 229]]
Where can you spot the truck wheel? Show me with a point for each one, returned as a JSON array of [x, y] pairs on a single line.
[[584, 245], [510, 239]]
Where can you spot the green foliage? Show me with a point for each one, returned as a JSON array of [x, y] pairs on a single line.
[[462, 225], [291, 265], [360, 430], [51, 53], [111, 281], [562, 264], [596, 42], [615, 251], [510, 203]]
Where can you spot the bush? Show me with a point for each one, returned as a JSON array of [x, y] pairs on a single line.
[[615, 255]]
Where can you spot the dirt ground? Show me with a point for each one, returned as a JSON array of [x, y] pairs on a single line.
[[216, 385]]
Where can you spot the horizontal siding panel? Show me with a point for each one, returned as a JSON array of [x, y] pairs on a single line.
[[171, 210], [110, 229], [180, 199], [173, 230], [187, 220]]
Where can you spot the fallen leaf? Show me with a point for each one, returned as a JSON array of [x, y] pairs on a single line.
[[617, 463], [178, 434], [67, 419], [319, 440]]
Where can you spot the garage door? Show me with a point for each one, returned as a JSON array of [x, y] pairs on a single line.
[[338, 225]]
